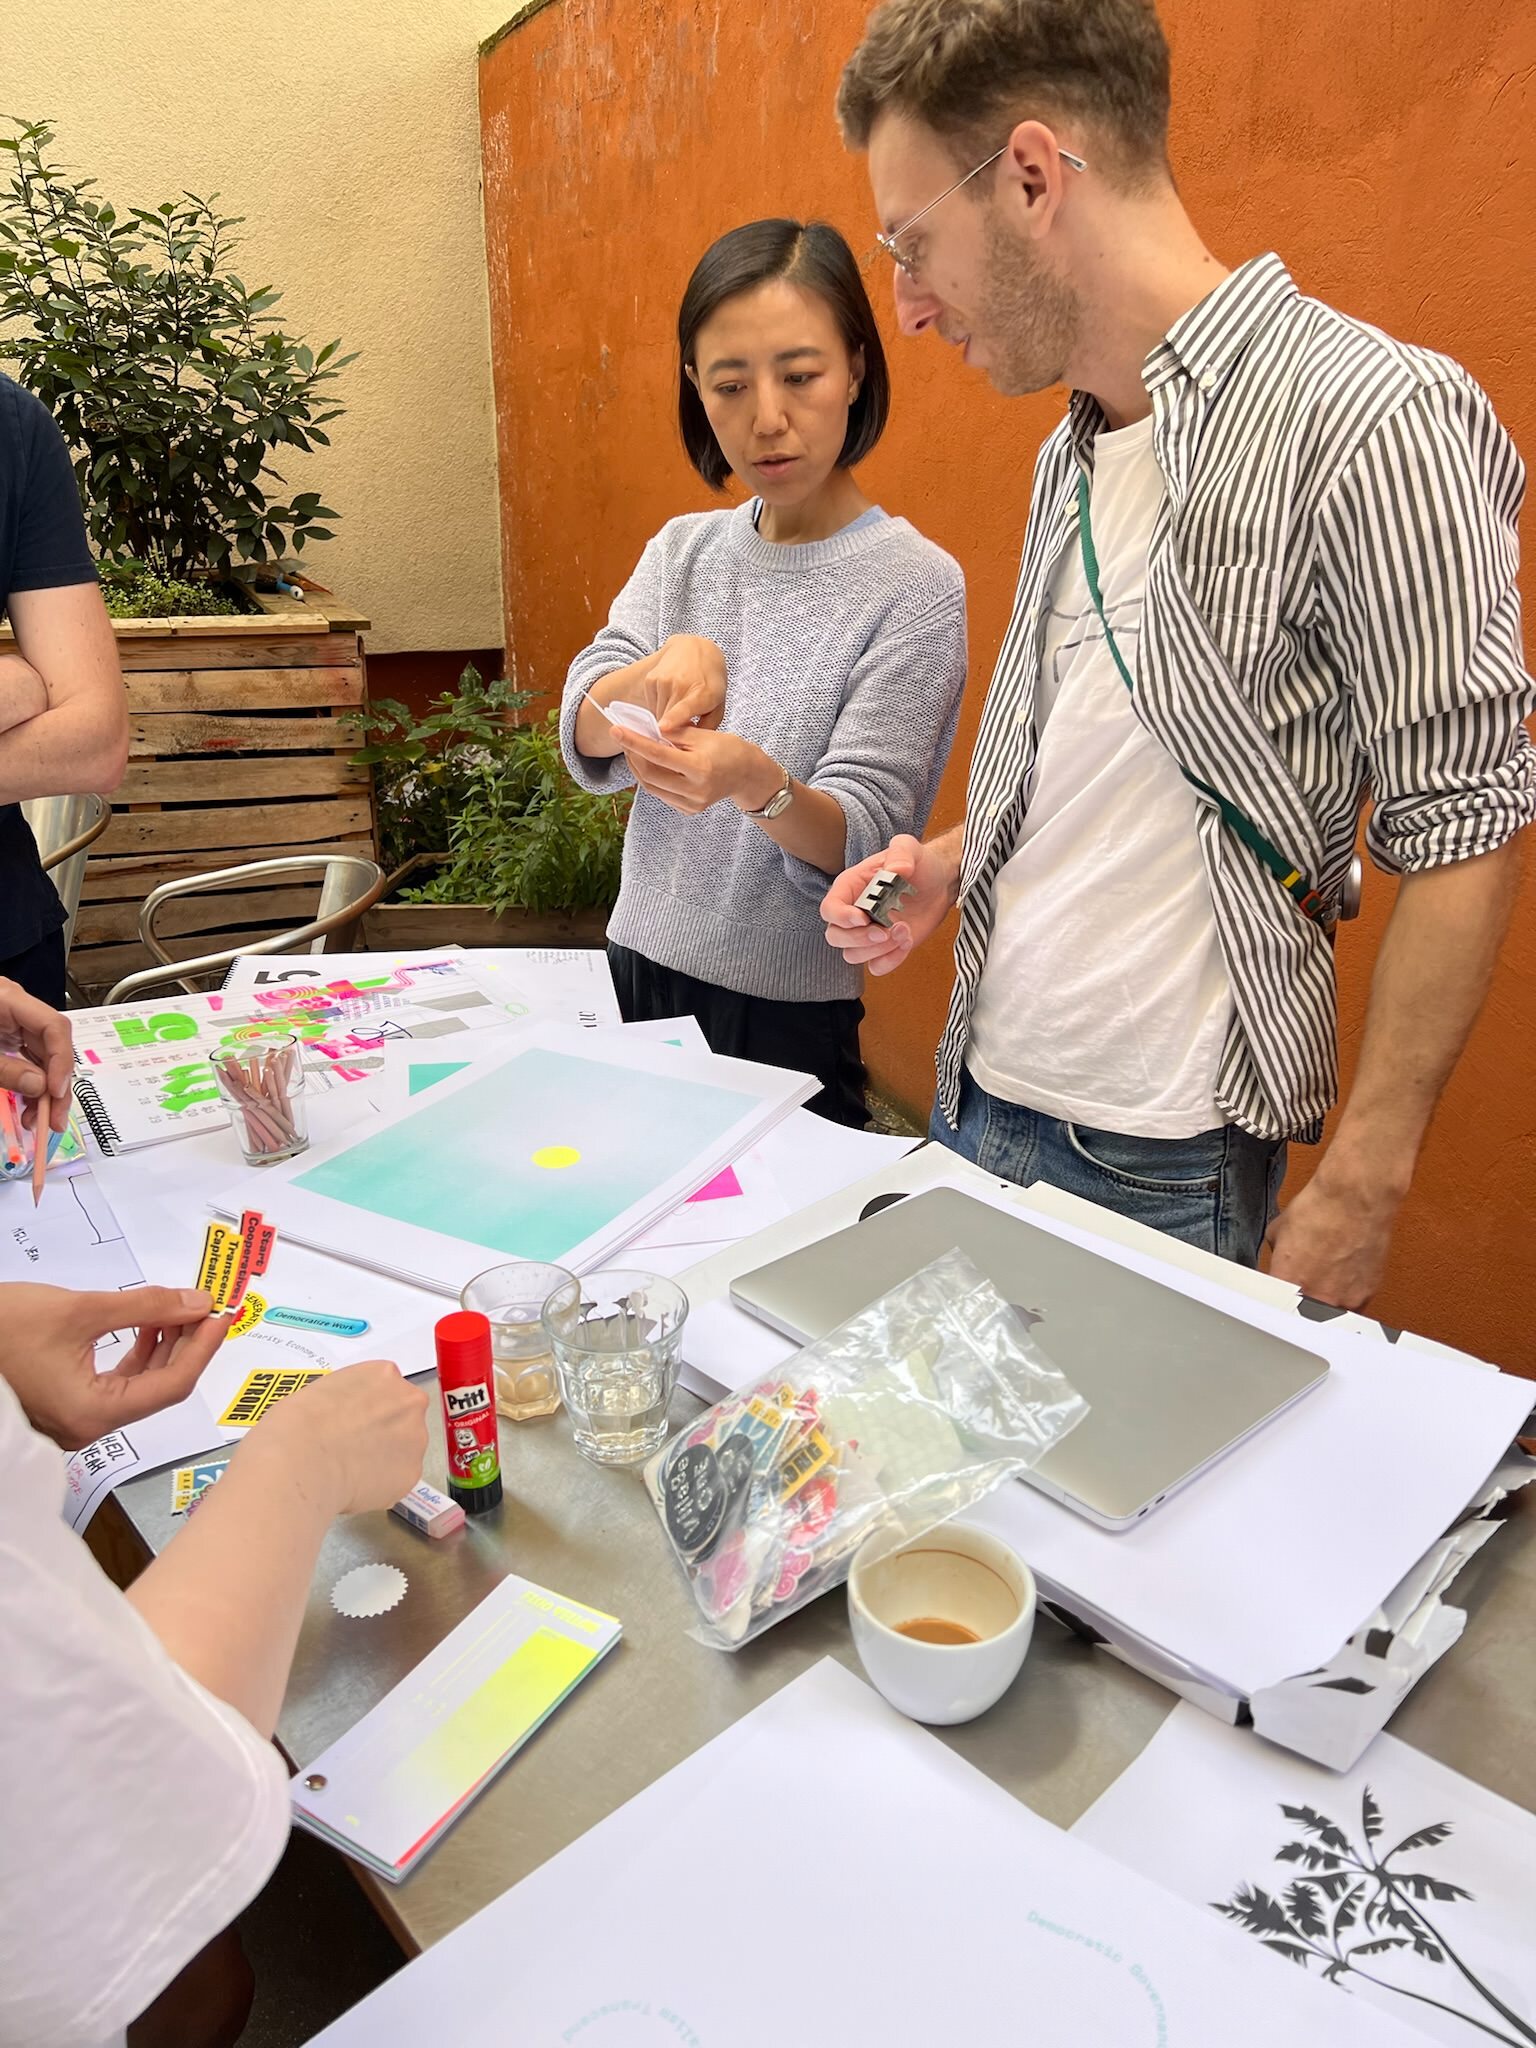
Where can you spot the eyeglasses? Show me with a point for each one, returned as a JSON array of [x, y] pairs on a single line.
[[888, 244]]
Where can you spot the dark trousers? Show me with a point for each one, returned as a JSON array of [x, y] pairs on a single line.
[[810, 1038], [40, 970]]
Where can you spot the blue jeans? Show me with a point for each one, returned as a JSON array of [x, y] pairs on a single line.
[[1218, 1190]]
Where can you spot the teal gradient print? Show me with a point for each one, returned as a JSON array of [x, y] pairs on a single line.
[[465, 1165]]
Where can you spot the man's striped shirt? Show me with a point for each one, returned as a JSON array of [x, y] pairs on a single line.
[[1331, 610]]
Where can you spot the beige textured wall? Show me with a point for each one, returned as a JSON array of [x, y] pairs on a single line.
[[347, 134]]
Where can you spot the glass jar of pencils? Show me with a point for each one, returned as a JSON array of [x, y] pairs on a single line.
[[261, 1081]]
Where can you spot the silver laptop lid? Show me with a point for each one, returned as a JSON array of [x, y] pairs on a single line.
[[1172, 1383]]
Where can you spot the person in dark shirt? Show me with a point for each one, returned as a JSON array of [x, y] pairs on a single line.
[[63, 712]]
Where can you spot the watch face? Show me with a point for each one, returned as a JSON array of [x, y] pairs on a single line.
[[778, 804]]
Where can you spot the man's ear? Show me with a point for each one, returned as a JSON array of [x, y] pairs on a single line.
[[1031, 177]]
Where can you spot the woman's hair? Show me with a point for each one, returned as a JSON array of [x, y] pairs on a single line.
[[806, 253]]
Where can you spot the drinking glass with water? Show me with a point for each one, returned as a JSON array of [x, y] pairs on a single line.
[[616, 1336]]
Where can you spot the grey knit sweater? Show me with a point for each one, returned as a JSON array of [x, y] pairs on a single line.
[[845, 659]]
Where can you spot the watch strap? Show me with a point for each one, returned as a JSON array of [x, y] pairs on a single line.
[[779, 802]]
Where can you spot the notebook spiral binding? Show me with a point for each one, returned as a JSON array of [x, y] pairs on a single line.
[[96, 1117]]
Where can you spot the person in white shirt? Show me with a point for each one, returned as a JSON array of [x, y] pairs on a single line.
[[144, 1803], [1168, 780]]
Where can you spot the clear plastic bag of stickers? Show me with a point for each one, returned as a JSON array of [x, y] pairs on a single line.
[[906, 1415]]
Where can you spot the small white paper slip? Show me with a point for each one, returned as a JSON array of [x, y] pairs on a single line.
[[634, 718]]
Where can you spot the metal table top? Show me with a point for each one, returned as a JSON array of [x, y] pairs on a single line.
[[1072, 1722]]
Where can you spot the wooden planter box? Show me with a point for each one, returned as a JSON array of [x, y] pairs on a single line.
[[241, 730], [404, 927]]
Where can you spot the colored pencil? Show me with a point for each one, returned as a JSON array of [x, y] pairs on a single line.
[[40, 1134]]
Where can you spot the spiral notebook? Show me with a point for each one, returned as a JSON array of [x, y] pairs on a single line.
[[398, 1780]]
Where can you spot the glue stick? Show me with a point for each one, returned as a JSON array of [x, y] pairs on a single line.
[[467, 1378]]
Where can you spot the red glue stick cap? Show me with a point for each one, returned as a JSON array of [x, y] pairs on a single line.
[[464, 1344]]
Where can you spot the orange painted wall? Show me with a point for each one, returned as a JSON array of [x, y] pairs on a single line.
[[1386, 150]]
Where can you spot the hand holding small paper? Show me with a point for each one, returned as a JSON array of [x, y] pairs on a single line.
[[49, 1355], [701, 768], [36, 1053]]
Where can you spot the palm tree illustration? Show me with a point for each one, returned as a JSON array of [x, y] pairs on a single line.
[[1360, 1891]]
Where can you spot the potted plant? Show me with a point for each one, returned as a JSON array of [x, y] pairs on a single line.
[[177, 393], [474, 801]]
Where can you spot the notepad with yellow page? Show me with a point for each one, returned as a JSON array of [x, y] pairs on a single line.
[[393, 1784]]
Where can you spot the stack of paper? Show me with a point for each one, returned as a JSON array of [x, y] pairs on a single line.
[[562, 1149], [828, 1871], [1267, 1564], [142, 1071], [544, 985], [394, 1784]]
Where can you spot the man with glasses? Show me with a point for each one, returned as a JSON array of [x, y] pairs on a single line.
[[1269, 568]]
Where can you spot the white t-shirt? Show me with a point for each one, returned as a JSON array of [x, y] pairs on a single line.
[[1105, 999], [140, 1814]]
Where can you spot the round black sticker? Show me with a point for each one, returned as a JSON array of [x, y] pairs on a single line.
[[695, 1498]]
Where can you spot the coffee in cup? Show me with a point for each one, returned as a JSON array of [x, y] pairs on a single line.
[[941, 1623]]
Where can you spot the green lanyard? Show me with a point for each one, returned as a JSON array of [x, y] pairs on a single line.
[[1285, 872]]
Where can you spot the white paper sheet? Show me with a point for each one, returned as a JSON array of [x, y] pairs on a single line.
[[828, 1871], [273, 970], [1200, 1811], [564, 1150], [555, 985], [548, 985], [1269, 1562]]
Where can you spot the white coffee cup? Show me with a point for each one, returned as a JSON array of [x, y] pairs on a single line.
[[954, 1575]]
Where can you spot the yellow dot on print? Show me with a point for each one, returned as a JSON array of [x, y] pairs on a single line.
[[557, 1156]]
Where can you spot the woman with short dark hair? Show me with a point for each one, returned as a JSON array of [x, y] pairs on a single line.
[[800, 656]]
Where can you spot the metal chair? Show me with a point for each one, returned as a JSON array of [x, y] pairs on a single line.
[[65, 828], [349, 886]]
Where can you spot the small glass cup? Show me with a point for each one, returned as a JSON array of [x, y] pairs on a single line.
[[261, 1081], [616, 1337], [512, 1299]]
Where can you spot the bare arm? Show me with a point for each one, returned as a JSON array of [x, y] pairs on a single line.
[[1431, 976], [23, 693], [80, 742], [351, 1441], [700, 768]]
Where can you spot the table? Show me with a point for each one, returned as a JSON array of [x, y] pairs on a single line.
[[1073, 1721]]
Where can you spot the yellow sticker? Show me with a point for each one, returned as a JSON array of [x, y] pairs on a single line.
[[220, 1262], [252, 1309], [809, 1456], [262, 1390]]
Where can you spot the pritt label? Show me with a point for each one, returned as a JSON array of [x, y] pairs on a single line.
[[474, 1400]]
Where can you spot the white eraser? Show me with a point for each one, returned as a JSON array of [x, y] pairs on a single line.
[[430, 1511]]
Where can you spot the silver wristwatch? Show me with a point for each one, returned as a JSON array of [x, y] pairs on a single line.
[[778, 803]]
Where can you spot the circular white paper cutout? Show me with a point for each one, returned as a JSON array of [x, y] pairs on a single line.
[[367, 1590]]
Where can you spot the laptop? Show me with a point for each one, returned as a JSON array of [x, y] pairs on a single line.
[[1172, 1384]]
